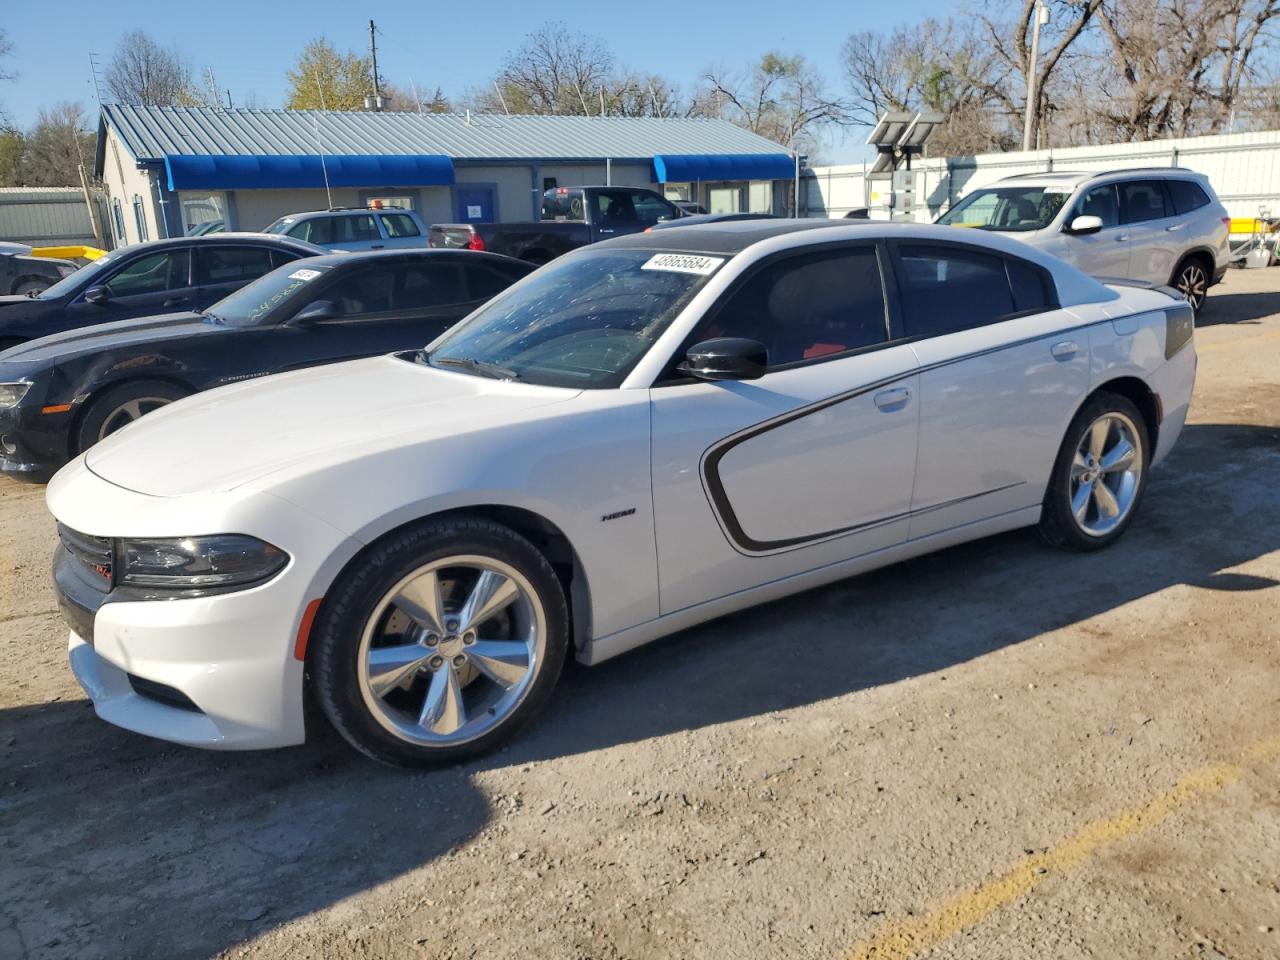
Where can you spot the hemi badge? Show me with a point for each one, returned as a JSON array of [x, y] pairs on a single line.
[[615, 516]]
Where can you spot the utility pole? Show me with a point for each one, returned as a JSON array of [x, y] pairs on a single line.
[[1041, 16], [375, 102]]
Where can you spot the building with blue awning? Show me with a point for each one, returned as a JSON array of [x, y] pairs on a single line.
[[170, 171]]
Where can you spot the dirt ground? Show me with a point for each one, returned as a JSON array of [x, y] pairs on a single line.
[[1000, 751]]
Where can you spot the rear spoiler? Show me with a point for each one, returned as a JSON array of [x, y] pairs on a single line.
[[1164, 288]]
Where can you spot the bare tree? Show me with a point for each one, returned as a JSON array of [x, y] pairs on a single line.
[[60, 141], [143, 72], [783, 98], [555, 71], [6, 48]]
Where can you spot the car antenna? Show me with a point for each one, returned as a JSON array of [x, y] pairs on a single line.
[[315, 118]]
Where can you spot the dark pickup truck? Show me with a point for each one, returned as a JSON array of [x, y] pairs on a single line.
[[572, 217]]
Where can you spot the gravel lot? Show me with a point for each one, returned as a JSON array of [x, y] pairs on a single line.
[[1000, 751]]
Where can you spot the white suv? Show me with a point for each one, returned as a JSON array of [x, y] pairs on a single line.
[[1162, 225]]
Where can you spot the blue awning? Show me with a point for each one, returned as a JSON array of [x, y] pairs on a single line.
[[266, 172], [690, 167]]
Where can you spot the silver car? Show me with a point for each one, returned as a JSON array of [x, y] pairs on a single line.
[[1164, 225]]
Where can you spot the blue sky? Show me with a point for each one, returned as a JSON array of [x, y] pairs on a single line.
[[453, 45]]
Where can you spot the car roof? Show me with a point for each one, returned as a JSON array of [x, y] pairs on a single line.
[[1076, 177], [723, 236], [217, 239], [334, 259]]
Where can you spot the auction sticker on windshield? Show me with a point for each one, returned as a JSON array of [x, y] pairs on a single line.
[[304, 274], [683, 263]]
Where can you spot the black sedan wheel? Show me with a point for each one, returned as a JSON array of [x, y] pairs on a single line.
[[120, 406]]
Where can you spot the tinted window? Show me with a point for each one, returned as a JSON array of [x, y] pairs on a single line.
[[1186, 195], [651, 209], [615, 206], [267, 298], [231, 264], [945, 289], [319, 231], [1100, 202], [429, 285], [806, 307], [486, 282], [400, 225], [362, 290], [1142, 200], [152, 273], [357, 228], [1030, 287]]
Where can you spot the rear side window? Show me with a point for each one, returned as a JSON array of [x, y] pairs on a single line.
[[400, 225], [1031, 289], [358, 228], [807, 307], [219, 264], [429, 285], [1187, 195], [563, 204], [945, 289], [1142, 200]]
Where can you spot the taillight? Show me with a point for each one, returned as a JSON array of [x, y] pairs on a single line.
[[1226, 222], [475, 242]]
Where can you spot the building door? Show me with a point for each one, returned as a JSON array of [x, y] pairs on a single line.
[[475, 204]]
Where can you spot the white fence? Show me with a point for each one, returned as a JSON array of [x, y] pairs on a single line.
[[1244, 169]]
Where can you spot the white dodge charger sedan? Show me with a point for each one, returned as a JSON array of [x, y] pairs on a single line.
[[640, 436]]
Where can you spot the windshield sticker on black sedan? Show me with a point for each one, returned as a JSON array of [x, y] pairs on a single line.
[[683, 263], [304, 274]]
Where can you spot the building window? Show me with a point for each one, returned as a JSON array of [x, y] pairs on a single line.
[[140, 218], [117, 221]]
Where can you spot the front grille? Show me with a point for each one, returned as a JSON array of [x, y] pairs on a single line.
[[96, 554]]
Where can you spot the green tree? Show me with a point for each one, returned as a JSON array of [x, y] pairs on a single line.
[[13, 158], [324, 79], [60, 141]]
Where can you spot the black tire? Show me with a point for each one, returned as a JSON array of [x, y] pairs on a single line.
[[1192, 278], [1058, 526], [334, 648], [105, 411]]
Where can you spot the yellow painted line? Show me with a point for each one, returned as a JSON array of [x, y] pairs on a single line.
[[1236, 342], [911, 936]]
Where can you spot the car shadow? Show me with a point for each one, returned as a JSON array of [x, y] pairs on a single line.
[[1223, 306], [101, 825]]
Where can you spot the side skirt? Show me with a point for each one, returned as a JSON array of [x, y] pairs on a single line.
[[604, 648]]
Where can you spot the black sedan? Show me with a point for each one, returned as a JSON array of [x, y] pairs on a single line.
[[61, 394], [146, 279], [24, 275]]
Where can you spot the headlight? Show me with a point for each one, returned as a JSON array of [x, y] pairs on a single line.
[[224, 560], [11, 394]]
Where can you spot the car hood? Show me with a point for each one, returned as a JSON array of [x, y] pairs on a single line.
[[230, 436], [15, 305], [105, 336]]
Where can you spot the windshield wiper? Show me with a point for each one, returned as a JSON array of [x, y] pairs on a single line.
[[495, 370]]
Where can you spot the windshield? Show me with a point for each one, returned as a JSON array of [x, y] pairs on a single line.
[[81, 278], [583, 321], [1013, 209], [281, 225], [251, 304]]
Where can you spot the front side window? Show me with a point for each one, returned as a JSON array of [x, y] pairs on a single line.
[[582, 321], [1100, 202], [151, 273], [806, 307], [400, 225], [318, 231], [1013, 209], [362, 290], [944, 289], [423, 285], [218, 264], [1142, 200]]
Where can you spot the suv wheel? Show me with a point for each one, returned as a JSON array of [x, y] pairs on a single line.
[[1192, 281]]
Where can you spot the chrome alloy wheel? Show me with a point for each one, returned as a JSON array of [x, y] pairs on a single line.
[[1193, 283], [451, 650], [128, 412], [1106, 474]]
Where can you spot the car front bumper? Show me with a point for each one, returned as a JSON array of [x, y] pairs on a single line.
[[33, 445], [219, 671]]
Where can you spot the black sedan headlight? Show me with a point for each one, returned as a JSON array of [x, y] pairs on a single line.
[[11, 394], [198, 563]]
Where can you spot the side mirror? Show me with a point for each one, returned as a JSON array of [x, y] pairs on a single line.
[[726, 358], [1085, 225], [97, 295], [316, 312]]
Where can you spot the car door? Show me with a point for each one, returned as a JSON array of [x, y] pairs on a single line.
[[401, 230], [380, 308], [1155, 232], [356, 231], [154, 282], [1106, 252], [808, 465], [222, 268], [1002, 370]]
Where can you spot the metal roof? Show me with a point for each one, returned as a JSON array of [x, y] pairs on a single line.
[[149, 133]]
